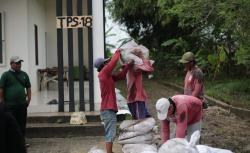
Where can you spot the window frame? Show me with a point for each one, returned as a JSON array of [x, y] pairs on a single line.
[[2, 39], [36, 44]]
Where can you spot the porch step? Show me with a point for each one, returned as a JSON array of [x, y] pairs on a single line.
[[48, 130], [60, 117], [56, 124]]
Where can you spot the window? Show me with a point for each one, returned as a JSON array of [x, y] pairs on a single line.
[[36, 43], [2, 40]]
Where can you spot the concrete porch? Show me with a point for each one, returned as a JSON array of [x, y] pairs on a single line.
[[46, 100]]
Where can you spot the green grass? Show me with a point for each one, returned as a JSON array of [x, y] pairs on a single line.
[[233, 91]]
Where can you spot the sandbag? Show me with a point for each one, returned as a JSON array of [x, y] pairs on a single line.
[[140, 126], [142, 139], [128, 123], [129, 48], [139, 148], [128, 135], [181, 145], [177, 145], [95, 150], [78, 118], [207, 149]]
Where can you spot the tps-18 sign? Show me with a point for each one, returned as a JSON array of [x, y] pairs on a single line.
[[73, 22]]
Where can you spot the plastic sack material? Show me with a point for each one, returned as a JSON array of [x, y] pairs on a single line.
[[95, 150], [207, 149], [128, 123], [78, 118], [181, 145], [177, 145], [128, 135], [129, 48], [139, 148], [143, 139], [140, 126]]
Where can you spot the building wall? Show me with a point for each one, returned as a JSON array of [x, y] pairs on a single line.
[[20, 17], [16, 32], [36, 16], [98, 45]]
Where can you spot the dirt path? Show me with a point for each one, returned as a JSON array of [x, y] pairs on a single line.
[[220, 128]]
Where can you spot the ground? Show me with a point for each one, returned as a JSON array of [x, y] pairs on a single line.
[[220, 128]]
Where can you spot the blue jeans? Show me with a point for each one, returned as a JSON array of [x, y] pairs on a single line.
[[108, 117]]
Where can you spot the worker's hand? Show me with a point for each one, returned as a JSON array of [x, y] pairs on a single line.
[[119, 50], [138, 53], [131, 62]]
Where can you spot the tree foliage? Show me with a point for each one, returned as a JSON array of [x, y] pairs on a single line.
[[216, 30]]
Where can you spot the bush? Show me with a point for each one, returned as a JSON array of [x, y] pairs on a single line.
[[76, 73]]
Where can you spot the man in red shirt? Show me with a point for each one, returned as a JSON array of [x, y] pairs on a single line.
[[194, 79], [108, 97], [184, 110], [137, 96]]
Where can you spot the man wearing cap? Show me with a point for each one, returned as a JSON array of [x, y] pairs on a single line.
[[108, 97], [194, 79], [15, 91], [184, 110]]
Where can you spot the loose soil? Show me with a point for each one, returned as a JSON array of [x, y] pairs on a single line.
[[220, 128]]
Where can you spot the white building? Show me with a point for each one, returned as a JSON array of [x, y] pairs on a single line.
[[28, 30]]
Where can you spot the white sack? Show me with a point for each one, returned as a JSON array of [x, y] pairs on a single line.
[[207, 149], [181, 145], [177, 145], [139, 148], [121, 103], [129, 48], [140, 126], [143, 139], [78, 118], [127, 123], [95, 150], [128, 135]]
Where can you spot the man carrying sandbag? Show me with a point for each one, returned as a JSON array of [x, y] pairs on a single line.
[[137, 95], [184, 110], [108, 102]]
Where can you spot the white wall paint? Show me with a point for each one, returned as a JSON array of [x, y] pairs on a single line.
[[16, 31], [21, 15], [36, 15], [98, 45], [50, 24]]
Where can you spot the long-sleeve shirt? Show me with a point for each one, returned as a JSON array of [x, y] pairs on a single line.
[[188, 111], [135, 88], [193, 84], [107, 83]]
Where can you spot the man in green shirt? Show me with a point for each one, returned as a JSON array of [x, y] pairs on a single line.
[[15, 91]]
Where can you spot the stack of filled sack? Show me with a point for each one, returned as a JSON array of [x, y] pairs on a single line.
[[137, 136]]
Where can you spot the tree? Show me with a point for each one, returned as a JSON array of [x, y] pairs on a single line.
[[211, 28]]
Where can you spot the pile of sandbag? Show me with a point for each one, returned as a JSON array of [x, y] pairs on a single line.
[[137, 136], [181, 145]]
